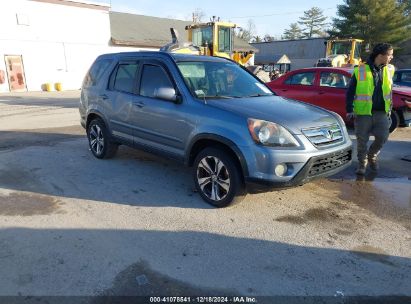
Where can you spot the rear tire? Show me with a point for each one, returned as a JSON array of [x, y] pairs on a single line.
[[395, 121], [218, 178], [99, 140]]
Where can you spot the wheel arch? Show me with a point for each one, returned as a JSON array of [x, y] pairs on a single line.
[[211, 140], [95, 114]]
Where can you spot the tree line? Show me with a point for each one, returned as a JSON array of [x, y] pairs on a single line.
[[370, 20]]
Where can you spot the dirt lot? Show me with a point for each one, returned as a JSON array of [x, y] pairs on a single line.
[[74, 225]]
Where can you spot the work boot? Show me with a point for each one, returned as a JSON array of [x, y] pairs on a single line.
[[372, 160], [362, 167]]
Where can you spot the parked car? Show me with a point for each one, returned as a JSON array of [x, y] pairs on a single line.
[[214, 115], [326, 87], [403, 77]]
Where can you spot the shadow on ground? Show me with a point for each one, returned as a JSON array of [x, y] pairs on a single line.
[[153, 263]]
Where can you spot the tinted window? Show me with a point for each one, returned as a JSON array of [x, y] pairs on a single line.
[[335, 80], [95, 72], [153, 78], [406, 77], [306, 78], [125, 76]]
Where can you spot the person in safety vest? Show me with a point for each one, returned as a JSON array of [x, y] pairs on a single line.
[[369, 103]]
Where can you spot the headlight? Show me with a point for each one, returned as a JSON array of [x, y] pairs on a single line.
[[270, 134]]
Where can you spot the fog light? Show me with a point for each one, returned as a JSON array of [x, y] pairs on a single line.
[[281, 169]]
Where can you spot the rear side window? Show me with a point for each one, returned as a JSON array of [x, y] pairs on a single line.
[[306, 78], [95, 72], [153, 78], [125, 77], [406, 77], [334, 80]]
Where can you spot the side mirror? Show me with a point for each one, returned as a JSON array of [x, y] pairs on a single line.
[[168, 94]]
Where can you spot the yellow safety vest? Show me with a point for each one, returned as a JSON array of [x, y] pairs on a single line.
[[365, 88]]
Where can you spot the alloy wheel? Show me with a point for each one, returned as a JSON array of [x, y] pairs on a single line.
[[96, 139], [213, 178]]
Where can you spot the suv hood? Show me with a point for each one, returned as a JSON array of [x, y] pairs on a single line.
[[293, 115]]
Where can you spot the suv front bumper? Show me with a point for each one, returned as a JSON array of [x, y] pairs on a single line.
[[317, 166]]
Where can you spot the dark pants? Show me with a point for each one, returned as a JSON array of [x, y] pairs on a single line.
[[378, 125]]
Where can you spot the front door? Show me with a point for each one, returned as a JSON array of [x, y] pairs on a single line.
[[158, 123], [15, 73]]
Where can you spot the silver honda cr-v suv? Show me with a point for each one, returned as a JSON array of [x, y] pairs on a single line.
[[212, 114]]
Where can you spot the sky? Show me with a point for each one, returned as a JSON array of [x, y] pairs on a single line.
[[270, 17]]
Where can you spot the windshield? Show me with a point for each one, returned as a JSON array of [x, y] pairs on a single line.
[[342, 47], [209, 79], [203, 36]]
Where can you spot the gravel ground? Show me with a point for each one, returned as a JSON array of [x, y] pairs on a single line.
[[133, 225]]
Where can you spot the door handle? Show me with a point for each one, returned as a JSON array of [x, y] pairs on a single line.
[[139, 104], [284, 90], [104, 97], [321, 93]]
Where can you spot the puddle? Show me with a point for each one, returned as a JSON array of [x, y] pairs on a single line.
[[392, 191], [398, 189], [23, 204]]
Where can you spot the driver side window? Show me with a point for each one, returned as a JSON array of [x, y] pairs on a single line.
[[153, 78]]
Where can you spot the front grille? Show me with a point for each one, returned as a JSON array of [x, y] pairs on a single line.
[[329, 162], [324, 136]]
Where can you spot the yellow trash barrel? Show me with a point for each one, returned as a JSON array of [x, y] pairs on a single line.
[[58, 86]]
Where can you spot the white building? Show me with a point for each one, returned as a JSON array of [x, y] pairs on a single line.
[[55, 41], [49, 41]]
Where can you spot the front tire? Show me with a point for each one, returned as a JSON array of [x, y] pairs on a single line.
[[217, 178], [99, 140]]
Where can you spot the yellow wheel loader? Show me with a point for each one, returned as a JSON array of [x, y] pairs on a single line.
[[213, 38], [341, 53]]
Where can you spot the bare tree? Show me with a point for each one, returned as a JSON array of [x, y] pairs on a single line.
[[198, 15], [248, 32], [268, 38]]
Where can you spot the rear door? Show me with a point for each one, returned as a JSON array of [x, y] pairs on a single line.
[[120, 98], [299, 86], [331, 90], [161, 124]]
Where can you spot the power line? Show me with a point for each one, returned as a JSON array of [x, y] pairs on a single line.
[[276, 14]]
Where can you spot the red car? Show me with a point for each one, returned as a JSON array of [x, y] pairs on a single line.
[[326, 87]]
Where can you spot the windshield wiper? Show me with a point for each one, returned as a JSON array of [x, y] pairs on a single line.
[[219, 97], [259, 95]]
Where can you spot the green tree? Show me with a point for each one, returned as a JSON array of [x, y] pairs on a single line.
[[373, 20], [407, 6], [294, 32], [313, 22]]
